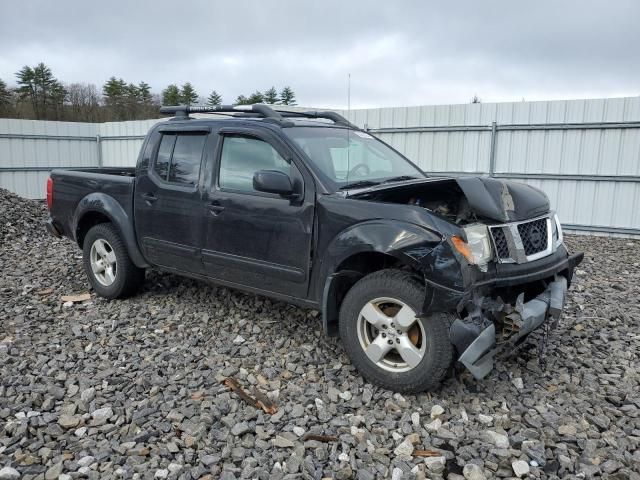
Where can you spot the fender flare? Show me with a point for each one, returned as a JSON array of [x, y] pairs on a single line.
[[406, 242], [98, 202]]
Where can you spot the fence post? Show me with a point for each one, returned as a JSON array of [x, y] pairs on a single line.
[[492, 152], [99, 147]]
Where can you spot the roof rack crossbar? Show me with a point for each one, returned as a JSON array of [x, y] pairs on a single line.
[[182, 111], [257, 109]]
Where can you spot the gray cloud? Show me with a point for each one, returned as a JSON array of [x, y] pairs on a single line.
[[398, 53]]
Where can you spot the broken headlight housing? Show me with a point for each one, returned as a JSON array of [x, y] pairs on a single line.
[[556, 231], [477, 249]]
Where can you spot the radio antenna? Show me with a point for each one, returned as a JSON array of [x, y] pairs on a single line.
[[348, 129]]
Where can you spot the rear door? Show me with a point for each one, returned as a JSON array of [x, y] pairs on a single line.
[[168, 198], [251, 238]]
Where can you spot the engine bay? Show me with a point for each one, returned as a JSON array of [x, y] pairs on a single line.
[[445, 199]]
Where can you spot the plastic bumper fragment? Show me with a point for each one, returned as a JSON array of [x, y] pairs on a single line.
[[478, 345]]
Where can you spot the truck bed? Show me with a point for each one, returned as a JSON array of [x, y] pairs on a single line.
[[72, 186]]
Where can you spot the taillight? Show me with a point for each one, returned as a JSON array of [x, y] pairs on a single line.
[[49, 193]]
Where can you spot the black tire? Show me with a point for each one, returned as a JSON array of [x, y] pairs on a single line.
[[437, 358], [128, 277]]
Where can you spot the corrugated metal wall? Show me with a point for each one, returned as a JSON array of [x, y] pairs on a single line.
[[37, 146], [121, 141], [584, 153]]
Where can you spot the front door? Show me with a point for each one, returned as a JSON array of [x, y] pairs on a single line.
[[253, 238], [168, 199]]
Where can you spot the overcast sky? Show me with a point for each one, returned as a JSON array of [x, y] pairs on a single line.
[[398, 52]]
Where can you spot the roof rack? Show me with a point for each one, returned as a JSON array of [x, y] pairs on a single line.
[[182, 112]]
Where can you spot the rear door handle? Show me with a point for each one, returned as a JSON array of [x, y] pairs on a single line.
[[215, 208], [149, 198]]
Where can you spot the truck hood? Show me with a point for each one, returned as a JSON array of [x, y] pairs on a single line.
[[502, 200], [489, 198]]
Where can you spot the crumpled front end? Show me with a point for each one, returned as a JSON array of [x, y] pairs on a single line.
[[493, 327]]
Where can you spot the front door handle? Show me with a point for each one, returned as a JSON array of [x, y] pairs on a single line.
[[149, 198], [215, 208]]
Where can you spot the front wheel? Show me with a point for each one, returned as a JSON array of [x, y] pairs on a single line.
[[111, 272], [385, 339]]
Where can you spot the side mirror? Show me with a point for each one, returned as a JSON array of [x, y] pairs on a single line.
[[272, 181]]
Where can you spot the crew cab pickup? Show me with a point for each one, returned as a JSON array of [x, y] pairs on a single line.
[[413, 272]]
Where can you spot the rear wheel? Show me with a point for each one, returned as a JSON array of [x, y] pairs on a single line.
[[111, 272], [386, 340]]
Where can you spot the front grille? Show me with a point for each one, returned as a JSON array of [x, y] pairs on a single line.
[[500, 241], [534, 236]]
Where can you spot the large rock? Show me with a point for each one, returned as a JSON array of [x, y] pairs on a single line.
[[471, 471], [497, 439], [9, 473]]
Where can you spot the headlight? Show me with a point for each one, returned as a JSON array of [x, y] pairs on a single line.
[[557, 230], [477, 249]]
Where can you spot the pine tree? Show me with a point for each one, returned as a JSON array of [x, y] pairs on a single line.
[[115, 98], [271, 96], [113, 91], [6, 100], [242, 100], [214, 99], [42, 89], [132, 101], [188, 95], [287, 96], [255, 97], [144, 93], [171, 95]]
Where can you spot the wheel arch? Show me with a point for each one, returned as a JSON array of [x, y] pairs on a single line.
[[366, 248], [98, 208]]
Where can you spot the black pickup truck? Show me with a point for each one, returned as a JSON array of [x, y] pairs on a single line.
[[411, 271]]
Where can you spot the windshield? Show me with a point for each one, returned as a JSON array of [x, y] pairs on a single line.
[[350, 158]]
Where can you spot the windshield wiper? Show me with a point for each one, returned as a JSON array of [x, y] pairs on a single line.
[[401, 178], [359, 183]]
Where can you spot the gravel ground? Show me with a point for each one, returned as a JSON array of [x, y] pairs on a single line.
[[132, 389]]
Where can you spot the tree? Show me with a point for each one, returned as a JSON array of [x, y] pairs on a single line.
[[171, 95], [83, 103], [115, 98], [188, 95], [6, 100], [287, 96], [113, 91], [144, 93], [44, 92], [242, 100], [271, 96], [476, 99], [255, 97], [214, 99]]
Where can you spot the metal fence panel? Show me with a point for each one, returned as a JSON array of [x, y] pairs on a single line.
[[30, 148], [121, 141], [584, 153]]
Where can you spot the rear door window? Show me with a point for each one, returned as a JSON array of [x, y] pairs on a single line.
[[179, 158], [186, 159], [161, 165]]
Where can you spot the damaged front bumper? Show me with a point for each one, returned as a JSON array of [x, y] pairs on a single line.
[[493, 327]]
